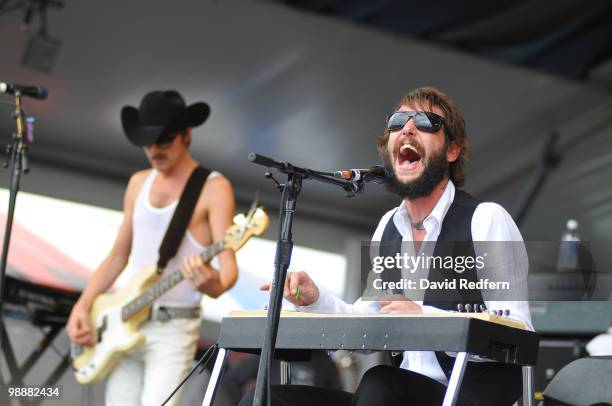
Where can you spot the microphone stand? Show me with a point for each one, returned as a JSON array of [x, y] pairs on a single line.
[[284, 246], [18, 155]]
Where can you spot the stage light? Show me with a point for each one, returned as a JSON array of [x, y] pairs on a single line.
[[40, 52]]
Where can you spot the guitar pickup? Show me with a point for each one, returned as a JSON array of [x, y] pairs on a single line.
[[75, 350]]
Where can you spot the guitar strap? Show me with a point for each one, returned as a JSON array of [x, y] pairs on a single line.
[[181, 217]]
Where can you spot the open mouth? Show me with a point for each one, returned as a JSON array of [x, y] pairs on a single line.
[[408, 156]]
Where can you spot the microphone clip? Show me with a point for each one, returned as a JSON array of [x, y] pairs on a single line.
[[268, 175]]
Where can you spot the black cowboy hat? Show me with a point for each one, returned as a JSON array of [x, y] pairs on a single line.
[[161, 115]]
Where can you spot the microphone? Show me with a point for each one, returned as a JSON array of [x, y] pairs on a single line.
[[37, 92], [376, 174]]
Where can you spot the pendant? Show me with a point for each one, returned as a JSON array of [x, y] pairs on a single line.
[[418, 225]]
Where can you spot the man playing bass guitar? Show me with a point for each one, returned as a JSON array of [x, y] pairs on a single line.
[[162, 126]]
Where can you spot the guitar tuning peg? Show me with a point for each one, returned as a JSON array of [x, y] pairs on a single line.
[[468, 308], [507, 312], [482, 308], [460, 307]]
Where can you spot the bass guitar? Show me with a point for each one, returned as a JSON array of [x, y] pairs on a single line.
[[115, 317]]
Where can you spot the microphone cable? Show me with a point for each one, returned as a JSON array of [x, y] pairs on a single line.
[[203, 362]]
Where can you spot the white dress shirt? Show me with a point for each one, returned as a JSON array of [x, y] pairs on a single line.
[[490, 222]]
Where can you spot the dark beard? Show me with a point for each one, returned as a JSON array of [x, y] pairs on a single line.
[[436, 169]]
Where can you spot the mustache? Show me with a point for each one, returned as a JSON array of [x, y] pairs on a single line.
[[413, 143]]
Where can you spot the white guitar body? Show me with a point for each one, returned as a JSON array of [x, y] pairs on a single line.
[[116, 317], [113, 335]]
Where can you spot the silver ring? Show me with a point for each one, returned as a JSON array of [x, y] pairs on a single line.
[[191, 277]]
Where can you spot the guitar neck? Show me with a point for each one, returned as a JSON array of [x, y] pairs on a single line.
[[165, 284]]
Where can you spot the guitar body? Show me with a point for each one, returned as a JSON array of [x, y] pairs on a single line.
[[116, 317], [113, 336]]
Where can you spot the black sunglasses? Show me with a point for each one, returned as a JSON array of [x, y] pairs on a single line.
[[166, 140], [423, 120]]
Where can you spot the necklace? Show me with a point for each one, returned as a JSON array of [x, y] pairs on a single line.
[[418, 225]]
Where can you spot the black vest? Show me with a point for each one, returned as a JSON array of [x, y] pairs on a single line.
[[482, 382], [455, 240]]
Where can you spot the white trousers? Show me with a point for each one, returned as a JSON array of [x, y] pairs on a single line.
[[148, 375]]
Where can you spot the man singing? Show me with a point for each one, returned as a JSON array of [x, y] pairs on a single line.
[[425, 146]]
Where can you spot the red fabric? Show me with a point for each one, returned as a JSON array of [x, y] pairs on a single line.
[[35, 260]]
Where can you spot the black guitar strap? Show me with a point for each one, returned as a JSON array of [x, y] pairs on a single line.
[[181, 217]]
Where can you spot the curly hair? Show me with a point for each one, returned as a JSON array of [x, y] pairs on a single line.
[[454, 126]]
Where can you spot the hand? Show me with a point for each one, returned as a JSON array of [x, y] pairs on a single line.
[[201, 275], [308, 291], [78, 326], [398, 304]]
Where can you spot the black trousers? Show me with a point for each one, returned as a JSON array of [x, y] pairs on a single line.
[[380, 386]]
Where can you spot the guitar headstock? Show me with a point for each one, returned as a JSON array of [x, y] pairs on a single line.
[[255, 222]]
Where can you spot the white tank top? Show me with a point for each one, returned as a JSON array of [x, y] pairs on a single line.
[[148, 229]]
